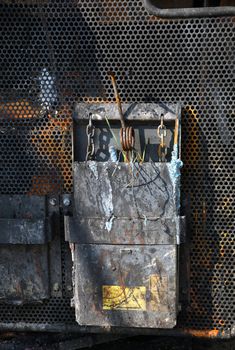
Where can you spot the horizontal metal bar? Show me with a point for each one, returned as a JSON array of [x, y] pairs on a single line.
[[132, 111], [188, 12], [73, 328]]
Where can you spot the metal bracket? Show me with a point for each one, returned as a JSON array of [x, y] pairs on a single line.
[[29, 248]]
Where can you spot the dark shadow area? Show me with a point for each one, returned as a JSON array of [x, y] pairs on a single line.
[[198, 202], [45, 341]]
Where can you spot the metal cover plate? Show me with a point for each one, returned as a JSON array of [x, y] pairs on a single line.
[[123, 204], [125, 286], [102, 189]]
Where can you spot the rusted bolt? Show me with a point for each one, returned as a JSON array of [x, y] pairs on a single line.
[[66, 202], [53, 201]]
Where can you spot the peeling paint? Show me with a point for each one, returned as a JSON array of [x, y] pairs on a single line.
[[145, 220], [107, 204], [175, 165], [174, 171], [93, 166], [109, 223]]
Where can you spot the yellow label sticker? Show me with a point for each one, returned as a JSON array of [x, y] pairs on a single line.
[[124, 298]]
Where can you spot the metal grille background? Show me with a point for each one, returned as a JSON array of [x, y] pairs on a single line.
[[56, 53]]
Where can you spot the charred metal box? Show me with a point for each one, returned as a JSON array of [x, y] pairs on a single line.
[[125, 232]]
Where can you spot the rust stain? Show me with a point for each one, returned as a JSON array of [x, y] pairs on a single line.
[[192, 145], [63, 122], [52, 145], [51, 142], [42, 185], [158, 291], [20, 109], [122, 282], [212, 333]]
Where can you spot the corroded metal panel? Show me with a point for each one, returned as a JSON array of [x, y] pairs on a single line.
[[24, 273], [29, 249], [126, 285]]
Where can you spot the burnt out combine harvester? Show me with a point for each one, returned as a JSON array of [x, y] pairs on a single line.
[[117, 167]]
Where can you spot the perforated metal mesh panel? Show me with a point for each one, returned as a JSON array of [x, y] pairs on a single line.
[[56, 53]]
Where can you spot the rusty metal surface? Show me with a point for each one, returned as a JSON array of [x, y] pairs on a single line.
[[33, 163], [125, 266]]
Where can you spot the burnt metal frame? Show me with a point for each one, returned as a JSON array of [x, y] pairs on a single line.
[[92, 240]]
